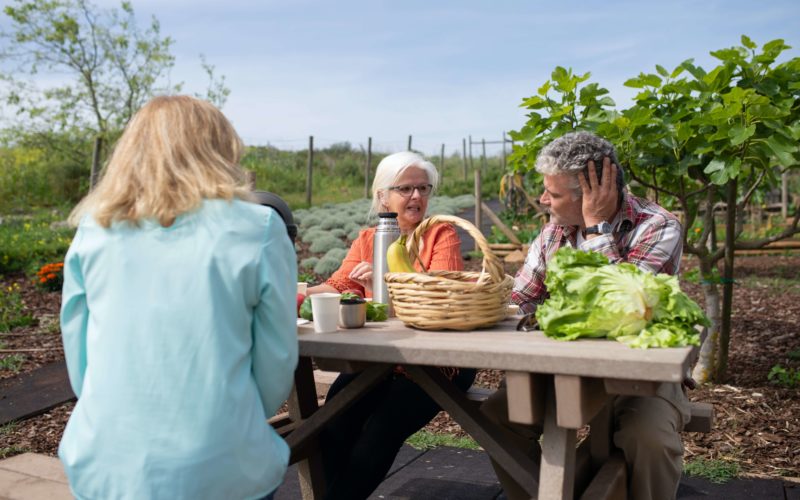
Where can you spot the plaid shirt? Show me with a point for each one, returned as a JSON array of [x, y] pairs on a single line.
[[645, 235]]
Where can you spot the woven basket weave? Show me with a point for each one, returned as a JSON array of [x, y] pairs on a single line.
[[451, 300]]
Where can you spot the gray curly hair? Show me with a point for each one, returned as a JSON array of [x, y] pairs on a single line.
[[570, 154]]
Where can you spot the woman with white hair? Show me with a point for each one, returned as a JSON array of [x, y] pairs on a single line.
[[403, 184], [359, 446]]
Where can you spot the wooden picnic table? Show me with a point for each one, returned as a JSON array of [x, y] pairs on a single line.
[[563, 385]]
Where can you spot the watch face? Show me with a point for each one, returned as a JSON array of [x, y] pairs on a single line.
[[602, 228]]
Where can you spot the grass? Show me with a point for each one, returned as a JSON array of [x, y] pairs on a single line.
[[13, 312], [716, 471], [8, 428], [425, 440], [9, 451], [12, 362]]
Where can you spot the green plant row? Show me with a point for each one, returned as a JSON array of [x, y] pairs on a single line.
[[30, 241]]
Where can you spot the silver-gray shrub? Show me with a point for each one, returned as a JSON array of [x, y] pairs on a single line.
[[333, 220], [325, 243], [336, 254], [326, 266], [353, 234], [309, 263], [312, 234]]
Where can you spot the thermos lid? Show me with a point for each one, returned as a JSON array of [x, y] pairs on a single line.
[[387, 215]]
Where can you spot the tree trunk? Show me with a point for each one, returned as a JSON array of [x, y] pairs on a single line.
[[707, 359], [727, 284]]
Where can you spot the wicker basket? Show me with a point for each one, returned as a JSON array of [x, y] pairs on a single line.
[[451, 300]]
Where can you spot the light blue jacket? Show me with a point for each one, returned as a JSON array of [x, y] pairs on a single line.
[[180, 342]]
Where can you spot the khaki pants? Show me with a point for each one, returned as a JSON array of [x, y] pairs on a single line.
[[647, 432]]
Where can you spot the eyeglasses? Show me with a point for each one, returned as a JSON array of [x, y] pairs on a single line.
[[407, 190]]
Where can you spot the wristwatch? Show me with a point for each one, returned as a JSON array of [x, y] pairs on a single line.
[[602, 228]]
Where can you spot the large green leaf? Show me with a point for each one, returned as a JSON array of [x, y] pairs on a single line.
[[782, 149], [739, 133], [748, 43], [734, 55]]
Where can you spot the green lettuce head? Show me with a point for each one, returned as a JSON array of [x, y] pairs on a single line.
[[591, 298]]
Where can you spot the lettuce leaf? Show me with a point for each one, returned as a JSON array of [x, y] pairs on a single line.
[[591, 298]]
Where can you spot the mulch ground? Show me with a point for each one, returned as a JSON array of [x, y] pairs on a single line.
[[757, 422]]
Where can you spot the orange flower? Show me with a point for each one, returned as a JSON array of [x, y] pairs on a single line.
[[51, 276], [42, 280]]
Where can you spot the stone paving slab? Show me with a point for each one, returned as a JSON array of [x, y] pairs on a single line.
[[33, 477]]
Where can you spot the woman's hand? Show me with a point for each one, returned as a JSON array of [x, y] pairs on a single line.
[[362, 274]]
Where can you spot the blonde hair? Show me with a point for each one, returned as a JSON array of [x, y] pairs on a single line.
[[392, 167], [175, 152]]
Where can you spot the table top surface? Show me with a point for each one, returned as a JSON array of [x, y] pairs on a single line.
[[500, 347]]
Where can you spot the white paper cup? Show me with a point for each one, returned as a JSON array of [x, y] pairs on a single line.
[[302, 286], [325, 309]]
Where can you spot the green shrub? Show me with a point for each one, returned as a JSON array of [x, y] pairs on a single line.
[[338, 232], [26, 243], [787, 377], [13, 312]]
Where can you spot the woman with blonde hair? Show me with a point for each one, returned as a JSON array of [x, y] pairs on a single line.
[[177, 317], [359, 446]]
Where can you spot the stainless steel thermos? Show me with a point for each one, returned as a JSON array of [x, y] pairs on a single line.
[[385, 234]]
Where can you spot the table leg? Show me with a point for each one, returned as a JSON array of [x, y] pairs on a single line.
[[557, 472], [302, 404], [601, 433], [495, 440]]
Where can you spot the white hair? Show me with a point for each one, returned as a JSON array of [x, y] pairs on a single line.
[[392, 167], [570, 155]]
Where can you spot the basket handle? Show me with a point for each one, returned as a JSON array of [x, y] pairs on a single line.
[[492, 269]]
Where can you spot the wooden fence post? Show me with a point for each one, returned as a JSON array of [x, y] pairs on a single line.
[[441, 166], [483, 155], [409, 142], [471, 162], [464, 157], [478, 203], [504, 150], [95, 172], [308, 172], [250, 176], [368, 168]]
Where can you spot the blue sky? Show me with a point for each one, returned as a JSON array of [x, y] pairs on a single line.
[[440, 70]]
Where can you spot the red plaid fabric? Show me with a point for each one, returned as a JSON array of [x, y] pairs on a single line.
[[645, 235]]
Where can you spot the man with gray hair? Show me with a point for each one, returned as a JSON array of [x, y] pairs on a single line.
[[590, 210]]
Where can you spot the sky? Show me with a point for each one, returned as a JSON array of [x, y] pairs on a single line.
[[438, 70]]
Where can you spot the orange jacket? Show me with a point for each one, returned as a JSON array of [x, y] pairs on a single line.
[[441, 251]]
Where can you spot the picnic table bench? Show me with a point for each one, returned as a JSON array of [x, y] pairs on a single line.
[[563, 385]]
